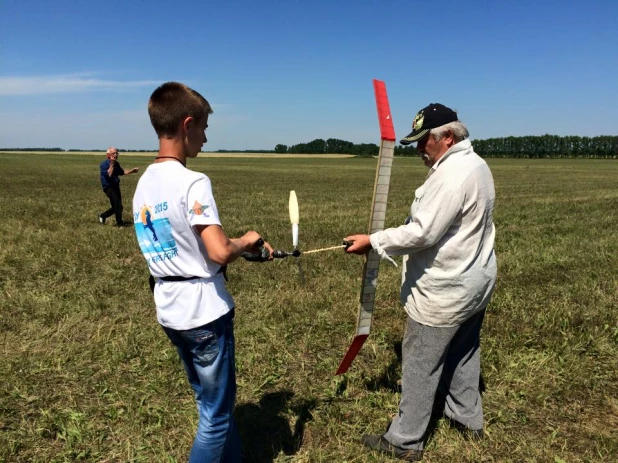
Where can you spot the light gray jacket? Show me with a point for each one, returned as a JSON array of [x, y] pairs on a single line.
[[449, 268]]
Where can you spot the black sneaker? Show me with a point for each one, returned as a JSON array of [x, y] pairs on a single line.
[[377, 442], [120, 225], [101, 220]]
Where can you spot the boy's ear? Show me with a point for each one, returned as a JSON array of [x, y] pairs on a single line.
[[188, 123]]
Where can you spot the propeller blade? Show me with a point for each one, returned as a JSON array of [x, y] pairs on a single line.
[[294, 218]]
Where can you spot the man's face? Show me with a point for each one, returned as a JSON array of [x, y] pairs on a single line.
[[196, 136], [431, 150], [113, 155]]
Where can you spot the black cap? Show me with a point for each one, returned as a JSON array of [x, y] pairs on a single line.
[[434, 115]]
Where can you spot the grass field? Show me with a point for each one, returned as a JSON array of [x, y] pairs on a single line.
[[88, 375]]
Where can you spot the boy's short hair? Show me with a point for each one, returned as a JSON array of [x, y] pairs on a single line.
[[171, 103]]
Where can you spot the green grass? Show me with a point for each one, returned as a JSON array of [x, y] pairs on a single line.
[[88, 375]]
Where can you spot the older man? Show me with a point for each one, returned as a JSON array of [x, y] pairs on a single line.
[[449, 274], [110, 170]]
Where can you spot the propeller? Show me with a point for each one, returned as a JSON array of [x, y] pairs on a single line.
[[294, 220]]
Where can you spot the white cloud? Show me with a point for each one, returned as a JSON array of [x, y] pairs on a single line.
[[64, 83]]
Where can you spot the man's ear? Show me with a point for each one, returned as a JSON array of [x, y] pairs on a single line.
[[450, 138]]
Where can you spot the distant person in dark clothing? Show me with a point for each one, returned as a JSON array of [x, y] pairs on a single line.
[[110, 171]]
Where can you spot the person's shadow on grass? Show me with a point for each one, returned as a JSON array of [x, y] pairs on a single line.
[[265, 431]]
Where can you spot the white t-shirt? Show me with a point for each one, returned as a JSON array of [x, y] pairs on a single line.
[[449, 265], [169, 201]]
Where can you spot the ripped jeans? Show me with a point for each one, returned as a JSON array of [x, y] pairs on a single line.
[[207, 354]]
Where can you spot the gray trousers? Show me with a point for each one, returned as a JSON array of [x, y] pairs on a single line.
[[445, 359]]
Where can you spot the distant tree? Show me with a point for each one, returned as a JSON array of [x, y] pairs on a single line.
[[281, 149], [317, 146], [366, 149], [405, 150], [336, 146]]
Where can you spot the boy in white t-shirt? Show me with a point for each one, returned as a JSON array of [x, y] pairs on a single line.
[[179, 233]]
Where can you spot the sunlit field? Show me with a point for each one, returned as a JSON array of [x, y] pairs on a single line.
[[88, 375]]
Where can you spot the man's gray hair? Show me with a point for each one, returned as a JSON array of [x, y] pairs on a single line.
[[460, 131]]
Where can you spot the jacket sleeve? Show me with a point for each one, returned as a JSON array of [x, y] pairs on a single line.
[[437, 209]]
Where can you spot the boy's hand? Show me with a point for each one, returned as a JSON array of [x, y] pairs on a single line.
[[270, 250], [251, 240], [257, 243]]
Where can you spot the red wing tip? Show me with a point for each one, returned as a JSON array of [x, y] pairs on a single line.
[[350, 355]]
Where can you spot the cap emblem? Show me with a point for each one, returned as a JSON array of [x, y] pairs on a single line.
[[418, 121]]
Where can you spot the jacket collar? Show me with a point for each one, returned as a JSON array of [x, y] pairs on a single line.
[[463, 145]]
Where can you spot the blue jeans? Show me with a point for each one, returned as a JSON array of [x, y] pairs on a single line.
[[207, 353]]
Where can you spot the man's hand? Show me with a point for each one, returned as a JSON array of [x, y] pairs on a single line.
[[112, 164], [360, 244]]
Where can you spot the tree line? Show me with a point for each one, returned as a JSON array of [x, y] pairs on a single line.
[[549, 146], [330, 146], [545, 146], [337, 146]]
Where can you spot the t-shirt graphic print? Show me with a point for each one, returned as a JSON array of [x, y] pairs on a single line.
[[154, 235]]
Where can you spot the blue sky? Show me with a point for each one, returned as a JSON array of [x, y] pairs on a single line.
[[78, 74]]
